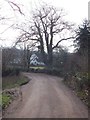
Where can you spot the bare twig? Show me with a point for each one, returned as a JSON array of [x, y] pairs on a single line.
[[13, 4]]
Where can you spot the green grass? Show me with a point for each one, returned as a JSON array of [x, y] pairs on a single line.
[[13, 81], [8, 83], [5, 100], [37, 67], [0, 100]]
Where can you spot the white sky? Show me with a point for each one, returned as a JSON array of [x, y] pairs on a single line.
[[76, 10]]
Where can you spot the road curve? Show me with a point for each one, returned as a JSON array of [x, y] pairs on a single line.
[[46, 96]]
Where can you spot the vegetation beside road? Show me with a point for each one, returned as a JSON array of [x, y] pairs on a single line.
[[37, 67], [10, 82], [13, 81], [5, 100], [47, 51], [79, 83]]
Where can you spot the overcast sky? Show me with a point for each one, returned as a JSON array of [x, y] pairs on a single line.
[[76, 11]]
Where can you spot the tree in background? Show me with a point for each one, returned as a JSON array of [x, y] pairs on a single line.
[[82, 44], [83, 37], [12, 59], [48, 28], [60, 57]]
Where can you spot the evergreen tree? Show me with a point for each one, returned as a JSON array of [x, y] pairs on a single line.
[[83, 38]]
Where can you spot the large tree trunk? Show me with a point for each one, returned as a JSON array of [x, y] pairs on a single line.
[[42, 51], [28, 59], [50, 56]]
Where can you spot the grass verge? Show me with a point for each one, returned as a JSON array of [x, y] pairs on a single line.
[[5, 100], [13, 81], [8, 83], [0, 100], [38, 67]]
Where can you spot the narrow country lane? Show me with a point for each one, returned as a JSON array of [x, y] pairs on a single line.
[[46, 96]]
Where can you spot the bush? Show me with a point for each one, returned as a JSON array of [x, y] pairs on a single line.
[[54, 71], [6, 72], [51, 71], [79, 83], [10, 72]]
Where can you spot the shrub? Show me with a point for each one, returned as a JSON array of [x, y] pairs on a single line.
[[11, 71], [53, 71]]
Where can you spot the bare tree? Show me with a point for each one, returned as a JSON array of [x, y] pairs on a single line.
[[48, 29]]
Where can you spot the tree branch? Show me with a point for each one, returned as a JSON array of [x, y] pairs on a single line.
[[61, 41], [14, 4]]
